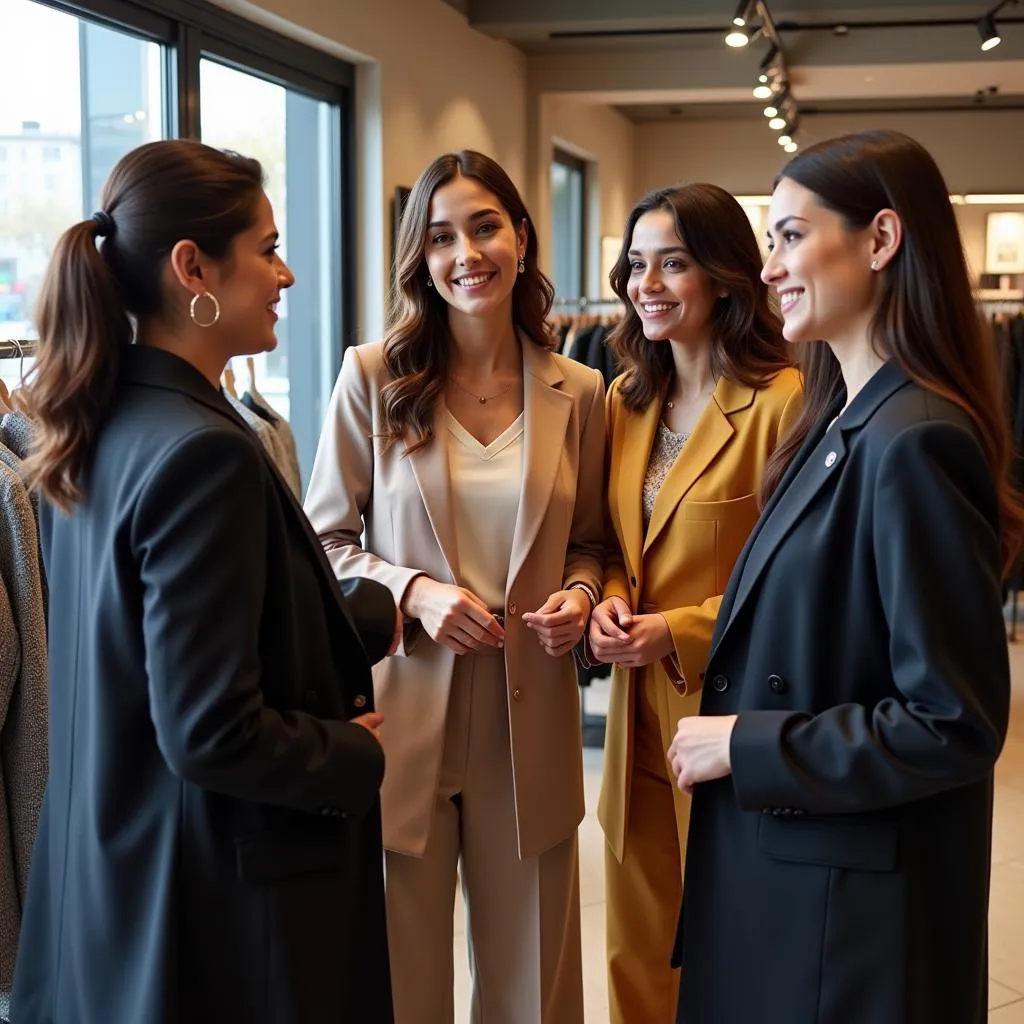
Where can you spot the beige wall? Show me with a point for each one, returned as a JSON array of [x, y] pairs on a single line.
[[426, 84], [977, 151], [605, 139]]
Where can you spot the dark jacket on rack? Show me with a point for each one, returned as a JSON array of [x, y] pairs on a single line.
[[210, 845], [840, 876]]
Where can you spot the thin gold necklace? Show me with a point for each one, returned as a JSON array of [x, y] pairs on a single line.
[[482, 399]]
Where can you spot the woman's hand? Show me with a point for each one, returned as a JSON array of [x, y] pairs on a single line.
[[559, 622], [617, 637], [452, 616], [700, 750]]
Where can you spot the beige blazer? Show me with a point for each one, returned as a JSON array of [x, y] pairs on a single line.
[[403, 503]]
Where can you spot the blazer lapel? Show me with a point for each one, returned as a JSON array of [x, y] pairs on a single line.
[[639, 431], [819, 462], [709, 437], [546, 411], [433, 477]]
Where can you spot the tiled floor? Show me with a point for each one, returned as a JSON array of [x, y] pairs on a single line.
[[1006, 916]]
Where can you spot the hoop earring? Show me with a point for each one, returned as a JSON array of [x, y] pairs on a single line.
[[522, 264], [192, 309]]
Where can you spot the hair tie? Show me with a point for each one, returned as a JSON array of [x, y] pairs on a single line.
[[105, 222]]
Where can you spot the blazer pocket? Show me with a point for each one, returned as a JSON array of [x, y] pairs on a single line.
[[733, 519], [268, 858], [832, 844]]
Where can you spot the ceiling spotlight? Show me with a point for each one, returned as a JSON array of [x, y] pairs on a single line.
[[777, 124], [791, 148], [762, 92], [771, 111], [737, 37], [763, 79], [743, 12], [785, 140], [990, 37]]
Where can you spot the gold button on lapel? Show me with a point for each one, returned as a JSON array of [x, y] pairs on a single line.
[[359, 701], [830, 459]]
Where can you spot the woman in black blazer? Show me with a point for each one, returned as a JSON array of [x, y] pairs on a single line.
[[210, 844], [857, 691]]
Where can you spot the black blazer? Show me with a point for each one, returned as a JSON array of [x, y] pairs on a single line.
[[210, 847], [840, 876]]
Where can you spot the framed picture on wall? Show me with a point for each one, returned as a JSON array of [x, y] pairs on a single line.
[[1004, 243]]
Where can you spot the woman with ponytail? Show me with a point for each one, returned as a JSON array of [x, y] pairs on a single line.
[[857, 692], [209, 847]]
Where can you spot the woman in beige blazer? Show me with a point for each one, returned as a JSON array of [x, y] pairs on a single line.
[[469, 459], [706, 395]]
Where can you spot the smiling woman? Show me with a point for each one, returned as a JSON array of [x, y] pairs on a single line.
[[461, 465]]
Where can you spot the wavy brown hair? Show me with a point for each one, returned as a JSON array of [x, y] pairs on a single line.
[[927, 320], [155, 196], [417, 342], [746, 333]]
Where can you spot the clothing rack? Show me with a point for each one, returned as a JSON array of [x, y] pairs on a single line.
[[16, 348]]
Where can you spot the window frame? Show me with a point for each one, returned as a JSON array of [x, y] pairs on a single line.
[[191, 30], [579, 165]]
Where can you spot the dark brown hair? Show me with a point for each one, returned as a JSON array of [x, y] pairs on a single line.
[[927, 320], [156, 195], [746, 334], [417, 341]]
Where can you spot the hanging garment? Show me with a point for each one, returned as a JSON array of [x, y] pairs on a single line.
[[256, 403], [271, 441], [23, 725]]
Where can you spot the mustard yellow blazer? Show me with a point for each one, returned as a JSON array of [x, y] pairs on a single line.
[[702, 518]]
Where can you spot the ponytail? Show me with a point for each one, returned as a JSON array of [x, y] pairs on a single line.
[[83, 325], [106, 272]]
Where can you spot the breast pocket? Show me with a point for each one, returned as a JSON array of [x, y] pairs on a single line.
[[724, 527]]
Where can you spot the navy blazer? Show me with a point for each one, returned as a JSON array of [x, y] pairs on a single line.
[[840, 876], [210, 845]]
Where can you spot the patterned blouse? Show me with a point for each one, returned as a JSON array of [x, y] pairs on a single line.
[[664, 452]]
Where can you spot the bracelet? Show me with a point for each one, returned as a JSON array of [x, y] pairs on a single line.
[[588, 590]]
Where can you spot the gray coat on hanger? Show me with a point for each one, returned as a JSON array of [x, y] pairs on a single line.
[[23, 705]]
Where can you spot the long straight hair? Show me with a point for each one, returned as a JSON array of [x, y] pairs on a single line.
[[927, 320], [417, 341], [156, 195]]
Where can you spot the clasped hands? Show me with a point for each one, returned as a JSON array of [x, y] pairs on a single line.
[[457, 619], [699, 752], [618, 637]]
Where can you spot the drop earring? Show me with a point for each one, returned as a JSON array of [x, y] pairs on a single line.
[[522, 264]]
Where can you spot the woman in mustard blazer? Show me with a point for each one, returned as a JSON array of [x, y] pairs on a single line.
[[706, 395]]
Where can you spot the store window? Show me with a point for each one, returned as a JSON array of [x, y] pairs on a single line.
[[121, 73], [568, 216]]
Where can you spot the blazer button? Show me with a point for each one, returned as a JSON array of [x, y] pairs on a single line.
[[720, 684], [632, 581], [778, 684], [517, 695], [511, 607], [359, 701]]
